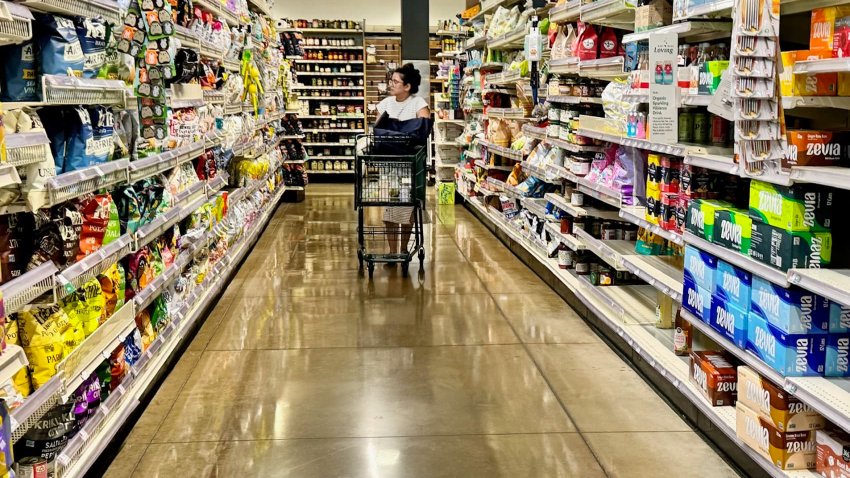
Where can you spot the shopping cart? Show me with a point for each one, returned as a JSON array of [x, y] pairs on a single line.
[[390, 172]]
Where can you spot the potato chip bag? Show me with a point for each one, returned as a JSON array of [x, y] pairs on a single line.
[[40, 329], [143, 323], [94, 306], [120, 279], [109, 286], [113, 225], [118, 367], [159, 314], [21, 385], [96, 212]]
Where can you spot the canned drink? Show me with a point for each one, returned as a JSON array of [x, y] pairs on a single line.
[[701, 128], [719, 130], [686, 127], [31, 467]]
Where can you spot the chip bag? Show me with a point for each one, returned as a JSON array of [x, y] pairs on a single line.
[[40, 330]]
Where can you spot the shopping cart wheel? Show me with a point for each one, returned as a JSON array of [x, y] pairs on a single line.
[[360, 258], [404, 268], [371, 270], [421, 258]]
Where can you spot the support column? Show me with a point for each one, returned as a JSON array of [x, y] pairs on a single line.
[[414, 30]]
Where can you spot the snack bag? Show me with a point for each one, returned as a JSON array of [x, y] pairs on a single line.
[[18, 79], [95, 211], [48, 241], [19, 386], [608, 43], [40, 331], [143, 323], [92, 34], [118, 367], [81, 148], [113, 225], [59, 49], [48, 436], [133, 347], [102, 145], [12, 252], [70, 224], [94, 306], [109, 286], [588, 43]]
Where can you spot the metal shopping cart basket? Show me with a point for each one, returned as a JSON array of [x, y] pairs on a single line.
[[390, 173]]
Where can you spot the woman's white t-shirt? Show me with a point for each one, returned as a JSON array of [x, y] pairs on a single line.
[[402, 110]]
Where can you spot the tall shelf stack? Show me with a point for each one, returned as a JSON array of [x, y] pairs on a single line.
[[177, 210], [446, 84], [332, 87], [635, 251], [383, 51]]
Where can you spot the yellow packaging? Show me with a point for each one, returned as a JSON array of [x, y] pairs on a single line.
[[21, 378], [41, 334], [786, 78], [821, 84], [844, 84]]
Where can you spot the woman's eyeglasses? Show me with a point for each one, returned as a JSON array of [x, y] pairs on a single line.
[[393, 81]]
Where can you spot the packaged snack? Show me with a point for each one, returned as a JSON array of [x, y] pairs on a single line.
[[609, 45], [113, 226], [49, 435], [92, 33], [139, 273], [70, 223], [588, 46], [86, 399], [118, 367], [48, 241], [101, 146], [787, 249], [801, 207], [13, 254], [40, 329], [18, 74], [133, 347], [143, 323], [81, 148], [94, 306], [59, 49], [715, 376], [773, 403], [18, 387], [96, 212], [108, 286]]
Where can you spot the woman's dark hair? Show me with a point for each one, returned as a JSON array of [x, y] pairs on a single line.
[[410, 76]]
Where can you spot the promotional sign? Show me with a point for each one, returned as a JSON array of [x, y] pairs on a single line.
[[663, 88]]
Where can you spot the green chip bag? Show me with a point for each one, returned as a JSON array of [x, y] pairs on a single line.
[[113, 227]]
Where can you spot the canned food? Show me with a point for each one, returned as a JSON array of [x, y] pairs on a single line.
[[566, 259], [686, 126], [31, 467]]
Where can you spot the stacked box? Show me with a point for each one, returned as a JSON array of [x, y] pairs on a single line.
[[833, 454], [733, 229], [729, 320], [700, 220], [700, 268], [774, 404], [817, 148], [837, 361], [792, 310], [713, 373], [794, 450], [733, 285], [696, 300], [800, 208], [839, 318], [785, 249], [792, 355]]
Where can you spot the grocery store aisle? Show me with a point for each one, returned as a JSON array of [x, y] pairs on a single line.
[[306, 369]]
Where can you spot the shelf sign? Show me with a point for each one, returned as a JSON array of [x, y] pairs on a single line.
[[663, 88]]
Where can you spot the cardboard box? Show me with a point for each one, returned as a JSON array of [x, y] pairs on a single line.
[[839, 318], [822, 33], [729, 320], [700, 220], [817, 148], [785, 250], [774, 404], [733, 285], [732, 229], [818, 84], [696, 300], [837, 355], [833, 454], [786, 78], [776, 446], [792, 355], [792, 310], [656, 14], [700, 268], [713, 373], [802, 207]]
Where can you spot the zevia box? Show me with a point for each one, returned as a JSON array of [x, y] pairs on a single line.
[[733, 285], [795, 208], [713, 373], [773, 403], [733, 229], [700, 268], [792, 310], [696, 300], [700, 221], [788, 249], [838, 355], [729, 320], [839, 318], [790, 355], [794, 450]]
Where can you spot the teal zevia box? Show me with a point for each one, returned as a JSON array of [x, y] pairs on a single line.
[[838, 355], [788, 249], [792, 355]]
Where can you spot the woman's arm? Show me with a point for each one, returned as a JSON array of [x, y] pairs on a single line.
[[424, 113]]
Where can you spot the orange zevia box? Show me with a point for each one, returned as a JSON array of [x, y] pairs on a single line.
[[715, 376], [817, 148]]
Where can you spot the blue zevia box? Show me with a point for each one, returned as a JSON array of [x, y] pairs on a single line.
[[839, 318], [792, 355], [838, 355], [696, 300], [729, 320], [700, 268], [792, 310], [733, 285]]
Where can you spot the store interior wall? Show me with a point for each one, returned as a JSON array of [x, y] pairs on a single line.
[[377, 14]]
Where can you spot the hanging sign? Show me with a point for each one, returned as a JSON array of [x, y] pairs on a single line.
[[663, 88]]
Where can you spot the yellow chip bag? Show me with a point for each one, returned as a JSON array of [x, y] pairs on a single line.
[[21, 379], [40, 329], [95, 306]]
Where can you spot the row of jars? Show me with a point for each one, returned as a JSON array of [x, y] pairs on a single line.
[[330, 42], [329, 138], [324, 68], [332, 55], [328, 24], [333, 124], [341, 110]]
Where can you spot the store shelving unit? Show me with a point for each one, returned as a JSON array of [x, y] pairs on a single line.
[[317, 100]]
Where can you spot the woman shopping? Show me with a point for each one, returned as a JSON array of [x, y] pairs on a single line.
[[402, 105]]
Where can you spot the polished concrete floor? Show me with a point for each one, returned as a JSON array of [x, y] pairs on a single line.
[[306, 369]]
